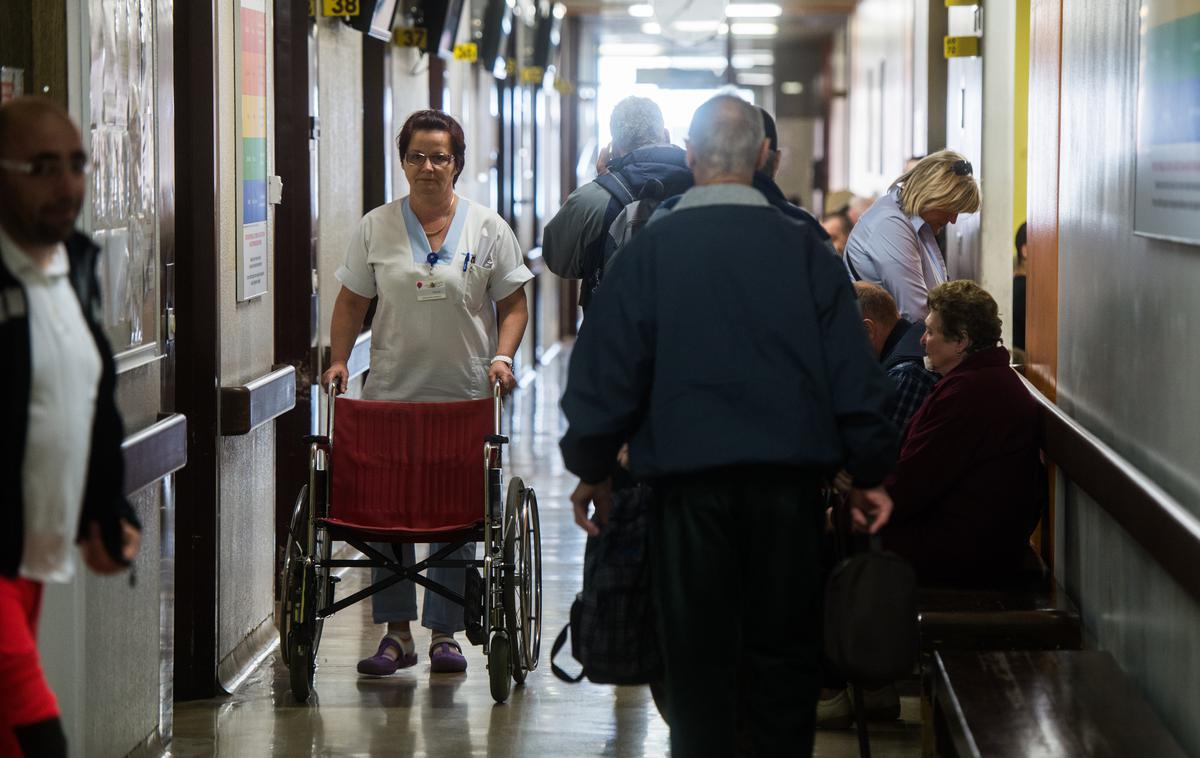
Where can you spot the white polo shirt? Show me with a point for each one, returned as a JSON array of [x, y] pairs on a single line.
[[62, 404], [435, 329]]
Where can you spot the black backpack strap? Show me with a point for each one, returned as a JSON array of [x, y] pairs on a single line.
[[559, 641], [850, 265], [616, 186]]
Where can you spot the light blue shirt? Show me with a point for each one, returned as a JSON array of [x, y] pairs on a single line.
[[898, 252]]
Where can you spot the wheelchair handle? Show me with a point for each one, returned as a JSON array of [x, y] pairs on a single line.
[[334, 385], [497, 406]]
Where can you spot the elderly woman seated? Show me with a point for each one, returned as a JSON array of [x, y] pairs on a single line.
[[968, 487]]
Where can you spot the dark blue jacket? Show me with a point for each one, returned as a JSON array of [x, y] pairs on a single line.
[[666, 164], [770, 190], [104, 499], [726, 335]]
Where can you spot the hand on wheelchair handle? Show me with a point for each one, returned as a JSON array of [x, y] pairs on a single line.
[[599, 495], [337, 372], [500, 372]]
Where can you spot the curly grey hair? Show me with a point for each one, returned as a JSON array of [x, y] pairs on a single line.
[[726, 136], [636, 122]]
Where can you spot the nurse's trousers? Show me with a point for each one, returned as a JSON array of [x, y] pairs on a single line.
[[399, 602]]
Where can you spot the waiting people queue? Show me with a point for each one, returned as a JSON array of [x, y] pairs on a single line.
[[738, 398]]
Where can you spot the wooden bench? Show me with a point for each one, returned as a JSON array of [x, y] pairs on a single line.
[[1041, 703], [1033, 613]]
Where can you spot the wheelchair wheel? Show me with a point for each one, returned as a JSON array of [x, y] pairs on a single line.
[[522, 578], [303, 665], [289, 579], [499, 667]]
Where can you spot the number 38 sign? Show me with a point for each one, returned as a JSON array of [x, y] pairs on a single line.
[[340, 7]]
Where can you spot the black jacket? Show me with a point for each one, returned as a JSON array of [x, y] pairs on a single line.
[[774, 195], [903, 345], [726, 336], [104, 499]]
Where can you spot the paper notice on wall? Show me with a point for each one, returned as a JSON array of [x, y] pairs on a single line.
[[1167, 187], [252, 168]]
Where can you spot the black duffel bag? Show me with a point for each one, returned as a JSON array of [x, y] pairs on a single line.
[[612, 619], [871, 616]]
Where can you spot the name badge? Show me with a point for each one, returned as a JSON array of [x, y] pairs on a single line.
[[431, 289]]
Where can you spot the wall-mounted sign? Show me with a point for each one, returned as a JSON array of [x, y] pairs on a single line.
[[533, 75], [340, 7], [467, 51], [252, 247], [961, 47], [562, 86], [410, 36], [954, 3], [1167, 189]]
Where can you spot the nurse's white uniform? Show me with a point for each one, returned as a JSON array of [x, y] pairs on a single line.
[[433, 339], [434, 335]]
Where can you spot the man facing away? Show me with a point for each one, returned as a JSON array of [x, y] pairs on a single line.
[[60, 456], [727, 349], [641, 154], [897, 342], [764, 182]]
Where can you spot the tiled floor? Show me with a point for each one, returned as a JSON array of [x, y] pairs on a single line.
[[414, 713]]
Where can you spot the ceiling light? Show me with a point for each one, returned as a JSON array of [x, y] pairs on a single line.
[[759, 29], [696, 25], [791, 88], [641, 11], [750, 59], [631, 49], [751, 79], [651, 28], [753, 10]]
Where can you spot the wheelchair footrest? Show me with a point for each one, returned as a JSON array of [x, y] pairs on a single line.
[[496, 439]]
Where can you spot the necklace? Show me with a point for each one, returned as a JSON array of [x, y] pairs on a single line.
[[449, 217]]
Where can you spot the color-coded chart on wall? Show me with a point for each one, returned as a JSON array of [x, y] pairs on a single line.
[[1168, 151], [253, 247]]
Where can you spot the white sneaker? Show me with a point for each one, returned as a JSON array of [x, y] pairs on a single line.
[[835, 712]]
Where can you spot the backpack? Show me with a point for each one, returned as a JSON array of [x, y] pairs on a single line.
[[631, 214], [612, 620]]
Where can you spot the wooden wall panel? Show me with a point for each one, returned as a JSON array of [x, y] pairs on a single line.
[[1045, 77]]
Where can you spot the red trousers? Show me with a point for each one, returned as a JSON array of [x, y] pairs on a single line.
[[25, 698]]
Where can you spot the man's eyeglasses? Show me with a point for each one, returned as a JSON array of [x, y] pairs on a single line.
[[48, 166], [417, 160]]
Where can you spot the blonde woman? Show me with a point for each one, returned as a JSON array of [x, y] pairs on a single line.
[[894, 243]]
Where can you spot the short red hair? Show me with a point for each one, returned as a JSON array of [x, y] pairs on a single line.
[[435, 121]]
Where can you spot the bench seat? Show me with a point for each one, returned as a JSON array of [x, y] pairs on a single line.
[[1042, 703]]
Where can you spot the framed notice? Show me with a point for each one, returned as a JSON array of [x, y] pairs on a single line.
[[1167, 193], [252, 243]]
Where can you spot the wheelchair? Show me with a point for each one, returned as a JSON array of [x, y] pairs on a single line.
[[411, 472]]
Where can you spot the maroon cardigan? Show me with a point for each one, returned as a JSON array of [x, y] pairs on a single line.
[[968, 486]]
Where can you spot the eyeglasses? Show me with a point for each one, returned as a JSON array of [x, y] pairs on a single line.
[[49, 166], [417, 160]]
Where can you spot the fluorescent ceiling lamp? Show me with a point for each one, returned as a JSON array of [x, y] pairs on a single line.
[[753, 10], [641, 10], [651, 28], [791, 88], [751, 29], [688, 62], [754, 58], [697, 25], [756, 79], [560, 11], [631, 49]]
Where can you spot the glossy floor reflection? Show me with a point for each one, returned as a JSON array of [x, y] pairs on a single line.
[[414, 713]]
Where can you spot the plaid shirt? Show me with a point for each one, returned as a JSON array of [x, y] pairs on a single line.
[[913, 384]]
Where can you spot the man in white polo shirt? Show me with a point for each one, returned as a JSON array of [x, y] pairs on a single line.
[[60, 454]]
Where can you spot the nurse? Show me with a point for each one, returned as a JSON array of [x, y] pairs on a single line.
[[894, 244], [449, 276]]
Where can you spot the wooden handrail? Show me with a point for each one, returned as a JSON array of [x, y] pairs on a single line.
[[1168, 531], [154, 452], [247, 407]]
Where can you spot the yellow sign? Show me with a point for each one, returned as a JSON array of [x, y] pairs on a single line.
[[410, 36], [961, 47], [467, 51], [312, 8], [952, 3], [533, 75], [510, 67], [340, 7], [562, 86]]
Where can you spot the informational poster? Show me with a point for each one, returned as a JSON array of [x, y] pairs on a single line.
[[1167, 201], [252, 177]]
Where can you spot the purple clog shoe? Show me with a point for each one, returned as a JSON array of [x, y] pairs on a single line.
[[446, 657], [382, 665]]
